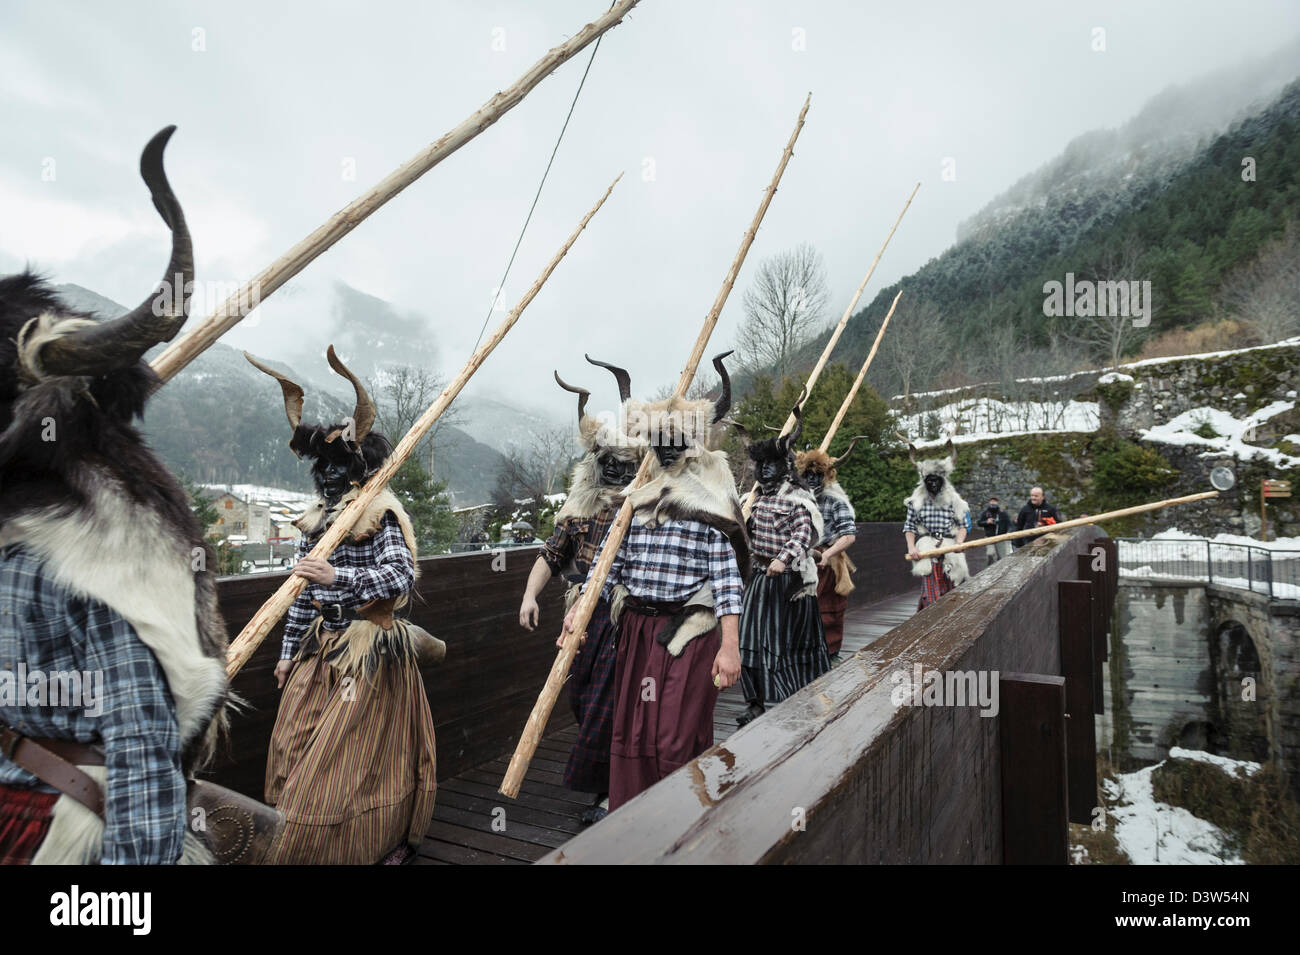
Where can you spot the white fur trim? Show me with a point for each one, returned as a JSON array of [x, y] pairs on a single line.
[[119, 553]]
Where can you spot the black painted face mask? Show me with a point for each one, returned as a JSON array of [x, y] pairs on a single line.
[[334, 482], [614, 471], [934, 483], [668, 455], [816, 480], [770, 474]]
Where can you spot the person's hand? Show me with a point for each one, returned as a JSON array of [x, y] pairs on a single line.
[[775, 569], [913, 553], [568, 628], [528, 613], [315, 569], [282, 671], [823, 560], [726, 666]]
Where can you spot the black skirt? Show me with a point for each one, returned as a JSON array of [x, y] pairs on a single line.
[[782, 643]]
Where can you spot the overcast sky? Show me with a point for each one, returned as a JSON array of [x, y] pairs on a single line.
[[693, 100]]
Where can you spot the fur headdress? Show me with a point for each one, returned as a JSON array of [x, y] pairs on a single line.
[[699, 484], [350, 442], [600, 437], [819, 462]]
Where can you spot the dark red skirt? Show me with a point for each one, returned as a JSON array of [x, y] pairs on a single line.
[[25, 816], [934, 585], [663, 714], [832, 606]]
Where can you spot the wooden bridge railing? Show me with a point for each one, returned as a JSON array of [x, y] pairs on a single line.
[[850, 771]]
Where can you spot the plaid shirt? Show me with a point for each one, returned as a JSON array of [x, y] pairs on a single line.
[[779, 530], [838, 519], [576, 540], [52, 631], [937, 521], [671, 562], [380, 566]]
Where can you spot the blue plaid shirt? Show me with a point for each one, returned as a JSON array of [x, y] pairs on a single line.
[[51, 632], [380, 566], [671, 562], [838, 519]]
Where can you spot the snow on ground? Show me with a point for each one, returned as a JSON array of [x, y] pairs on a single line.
[[1282, 543], [1155, 833], [1230, 433], [979, 419], [1113, 376], [257, 492]]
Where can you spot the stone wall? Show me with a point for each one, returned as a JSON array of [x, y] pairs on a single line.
[[1170, 682]]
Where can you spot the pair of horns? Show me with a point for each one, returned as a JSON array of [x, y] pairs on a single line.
[[363, 415], [106, 346], [620, 375], [836, 462], [720, 407], [950, 450]]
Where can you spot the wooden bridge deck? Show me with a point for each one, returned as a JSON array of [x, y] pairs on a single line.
[[473, 824]]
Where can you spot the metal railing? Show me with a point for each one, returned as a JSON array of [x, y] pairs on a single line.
[[1262, 570]]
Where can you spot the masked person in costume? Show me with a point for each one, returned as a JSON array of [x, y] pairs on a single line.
[[351, 761], [105, 579], [609, 464], [839, 531], [675, 590], [936, 517], [782, 645]]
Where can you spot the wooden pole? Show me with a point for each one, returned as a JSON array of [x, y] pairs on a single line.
[[844, 319], [242, 647], [582, 610], [853, 392], [184, 350], [1077, 522]]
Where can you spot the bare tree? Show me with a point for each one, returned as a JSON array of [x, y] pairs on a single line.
[[1107, 337], [915, 347], [782, 309], [402, 395], [532, 471], [1266, 293]]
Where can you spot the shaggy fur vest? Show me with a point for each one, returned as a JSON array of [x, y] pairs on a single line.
[[954, 565]]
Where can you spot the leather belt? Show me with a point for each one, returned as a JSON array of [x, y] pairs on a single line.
[[336, 613], [654, 608], [52, 761]]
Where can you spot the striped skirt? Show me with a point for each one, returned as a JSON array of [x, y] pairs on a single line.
[[351, 762], [782, 645], [591, 693]]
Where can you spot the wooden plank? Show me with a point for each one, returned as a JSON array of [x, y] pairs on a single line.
[[1031, 731], [437, 852], [1094, 576], [485, 841], [1077, 661]]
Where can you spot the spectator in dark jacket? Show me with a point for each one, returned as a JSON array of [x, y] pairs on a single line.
[[1034, 513], [995, 521]]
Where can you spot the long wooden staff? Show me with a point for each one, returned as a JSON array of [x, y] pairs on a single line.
[[844, 319], [242, 647], [541, 713], [184, 350], [1077, 522], [853, 392]]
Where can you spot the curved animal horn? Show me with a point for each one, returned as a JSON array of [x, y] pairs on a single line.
[[106, 346], [363, 416], [836, 462], [723, 404], [620, 375], [292, 391], [740, 429], [797, 411], [582, 393]]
